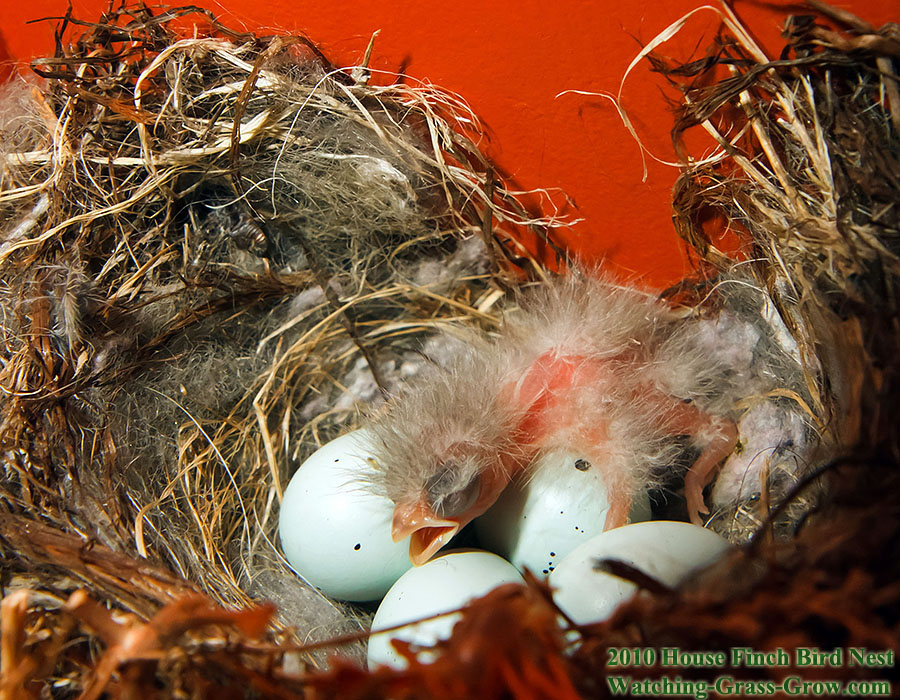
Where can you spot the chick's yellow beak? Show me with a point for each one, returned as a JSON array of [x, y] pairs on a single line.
[[427, 532]]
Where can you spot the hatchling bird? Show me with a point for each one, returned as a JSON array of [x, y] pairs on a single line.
[[583, 365]]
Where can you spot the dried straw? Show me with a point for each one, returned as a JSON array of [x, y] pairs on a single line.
[[213, 248], [803, 173]]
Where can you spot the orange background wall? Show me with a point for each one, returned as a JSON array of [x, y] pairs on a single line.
[[509, 60]]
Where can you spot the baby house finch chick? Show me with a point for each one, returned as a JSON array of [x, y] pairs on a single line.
[[586, 366]]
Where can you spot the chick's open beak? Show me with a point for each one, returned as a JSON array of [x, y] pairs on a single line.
[[427, 532]]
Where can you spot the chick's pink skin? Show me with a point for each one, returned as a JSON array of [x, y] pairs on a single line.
[[543, 395], [554, 377], [546, 389]]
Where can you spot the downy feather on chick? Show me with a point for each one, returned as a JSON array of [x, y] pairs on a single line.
[[584, 365]]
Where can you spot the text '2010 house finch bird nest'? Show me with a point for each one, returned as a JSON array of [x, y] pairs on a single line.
[[216, 245]]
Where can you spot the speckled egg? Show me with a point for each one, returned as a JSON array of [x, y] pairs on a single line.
[[335, 532], [668, 551], [445, 583], [560, 503]]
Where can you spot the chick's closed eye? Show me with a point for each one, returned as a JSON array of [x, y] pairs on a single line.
[[447, 501]]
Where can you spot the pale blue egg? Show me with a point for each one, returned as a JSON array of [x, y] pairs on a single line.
[[668, 551], [445, 583], [335, 531]]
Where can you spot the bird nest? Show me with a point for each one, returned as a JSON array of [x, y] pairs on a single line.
[[216, 246]]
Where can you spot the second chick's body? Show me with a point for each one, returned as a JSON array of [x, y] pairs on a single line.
[[586, 366]]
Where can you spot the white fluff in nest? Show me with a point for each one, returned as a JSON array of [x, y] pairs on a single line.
[[773, 441]]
